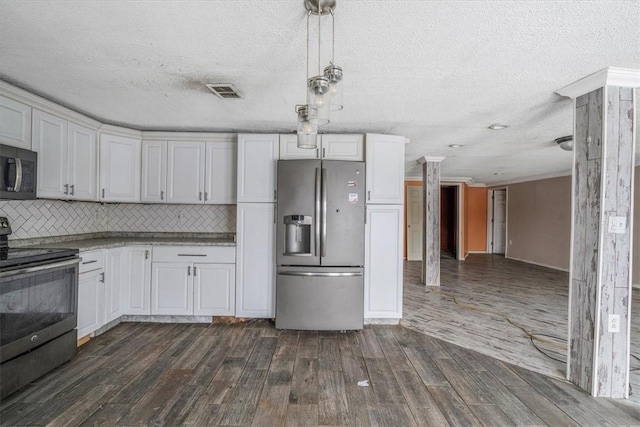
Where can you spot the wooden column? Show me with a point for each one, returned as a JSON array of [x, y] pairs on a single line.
[[431, 222], [600, 287]]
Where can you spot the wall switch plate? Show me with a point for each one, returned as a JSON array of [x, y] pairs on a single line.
[[617, 224], [614, 323]]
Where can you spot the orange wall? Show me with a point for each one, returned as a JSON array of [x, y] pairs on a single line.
[[476, 219]]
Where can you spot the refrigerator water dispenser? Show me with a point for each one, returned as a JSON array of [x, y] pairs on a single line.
[[297, 235]]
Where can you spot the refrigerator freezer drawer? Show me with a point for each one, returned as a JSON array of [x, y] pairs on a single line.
[[319, 299]]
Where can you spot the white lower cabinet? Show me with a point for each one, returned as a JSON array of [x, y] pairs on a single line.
[[91, 292], [171, 288], [116, 280], [137, 295], [255, 261], [383, 262], [196, 280]]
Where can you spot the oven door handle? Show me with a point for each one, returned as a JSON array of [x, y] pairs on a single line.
[[38, 268]]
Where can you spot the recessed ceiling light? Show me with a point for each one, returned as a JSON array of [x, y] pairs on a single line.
[[498, 126], [455, 145], [497, 173]]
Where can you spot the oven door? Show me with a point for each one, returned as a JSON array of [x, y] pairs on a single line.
[[18, 171], [37, 304]]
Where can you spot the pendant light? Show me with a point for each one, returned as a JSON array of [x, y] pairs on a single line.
[[323, 90]]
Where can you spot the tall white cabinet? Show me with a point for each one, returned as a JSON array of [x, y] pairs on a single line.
[[384, 227], [255, 225]]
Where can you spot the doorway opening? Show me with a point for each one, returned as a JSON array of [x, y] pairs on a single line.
[[497, 226], [448, 220]]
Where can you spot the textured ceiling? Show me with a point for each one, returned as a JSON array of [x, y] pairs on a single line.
[[437, 72]]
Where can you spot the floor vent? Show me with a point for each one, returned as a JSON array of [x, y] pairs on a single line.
[[224, 90]]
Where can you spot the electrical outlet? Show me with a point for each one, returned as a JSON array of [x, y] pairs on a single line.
[[614, 323], [617, 224]]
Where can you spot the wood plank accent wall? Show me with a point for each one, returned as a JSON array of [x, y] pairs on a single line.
[[431, 226], [601, 261]]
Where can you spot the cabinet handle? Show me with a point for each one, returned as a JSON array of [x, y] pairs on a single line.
[[89, 262], [192, 254], [189, 271], [324, 152], [194, 271], [205, 199], [146, 254], [317, 153], [369, 195], [200, 195], [73, 189], [161, 195], [103, 193], [275, 195], [102, 277], [66, 189]]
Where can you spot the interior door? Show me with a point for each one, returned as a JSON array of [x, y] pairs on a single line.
[[499, 221], [414, 223]]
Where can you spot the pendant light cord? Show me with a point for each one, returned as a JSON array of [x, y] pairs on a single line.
[[319, 34], [308, 57], [333, 37]]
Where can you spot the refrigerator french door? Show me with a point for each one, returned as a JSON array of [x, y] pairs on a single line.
[[320, 245]]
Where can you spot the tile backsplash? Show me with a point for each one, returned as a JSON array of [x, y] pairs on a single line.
[[47, 218]]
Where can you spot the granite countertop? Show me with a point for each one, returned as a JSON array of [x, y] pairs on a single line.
[[87, 242]]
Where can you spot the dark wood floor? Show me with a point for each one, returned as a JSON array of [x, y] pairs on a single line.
[[252, 374]]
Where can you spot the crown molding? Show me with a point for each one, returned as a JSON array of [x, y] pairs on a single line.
[[610, 76], [120, 131]]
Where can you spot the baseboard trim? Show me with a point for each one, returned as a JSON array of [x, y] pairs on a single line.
[[381, 321], [553, 267]]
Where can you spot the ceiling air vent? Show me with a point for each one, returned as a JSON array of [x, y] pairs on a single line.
[[224, 90]]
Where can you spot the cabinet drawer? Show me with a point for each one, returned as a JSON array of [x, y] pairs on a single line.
[[200, 254], [91, 260]]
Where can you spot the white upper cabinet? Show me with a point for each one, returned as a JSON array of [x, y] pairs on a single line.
[[66, 158], [15, 123], [82, 154], [185, 172], [343, 147], [220, 181], [50, 142], [119, 168], [330, 147], [257, 158], [289, 148], [154, 171], [385, 169]]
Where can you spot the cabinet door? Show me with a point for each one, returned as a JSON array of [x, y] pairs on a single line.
[[289, 148], [221, 172], [343, 147], [138, 294], [383, 262], [257, 158], [119, 168], [185, 172], [82, 161], [15, 123], [171, 288], [154, 171], [214, 289], [90, 301], [385, 169], [255, 260], [50, 142], [115, 282]]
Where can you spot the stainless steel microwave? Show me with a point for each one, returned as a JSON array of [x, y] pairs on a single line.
[[18, 169]]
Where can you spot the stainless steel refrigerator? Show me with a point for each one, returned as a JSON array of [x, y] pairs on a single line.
[[320, 245]]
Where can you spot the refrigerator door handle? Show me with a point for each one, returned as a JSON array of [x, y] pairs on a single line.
[[324, 212], [318, 274], [317, 213]]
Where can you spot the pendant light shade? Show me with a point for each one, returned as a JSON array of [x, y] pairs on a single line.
[[333, 73], [307, 131], [319, 99]]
